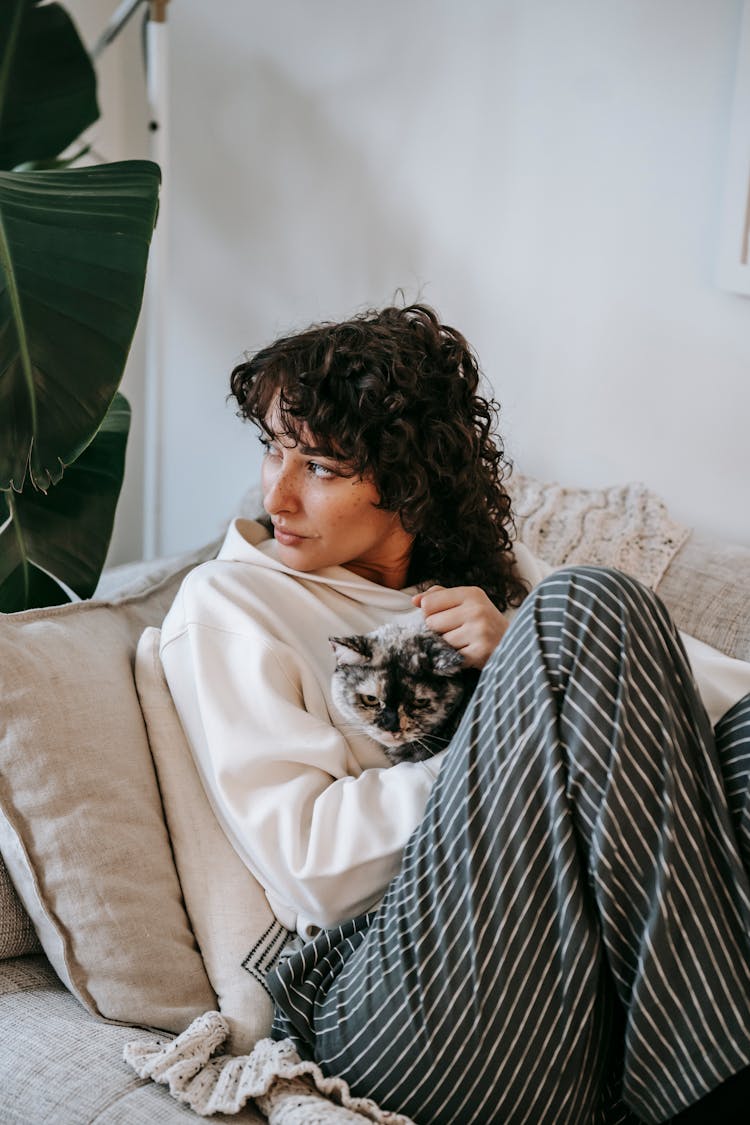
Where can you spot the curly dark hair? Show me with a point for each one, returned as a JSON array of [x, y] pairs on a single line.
[[394, 393]]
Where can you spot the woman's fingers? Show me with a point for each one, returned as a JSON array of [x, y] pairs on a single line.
[[466, 618], [418, 598]]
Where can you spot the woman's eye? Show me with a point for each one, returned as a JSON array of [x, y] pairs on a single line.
[[320, 470], [369, 700], [270, 449]]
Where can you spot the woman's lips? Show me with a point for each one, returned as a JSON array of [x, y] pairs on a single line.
[[288, 538]]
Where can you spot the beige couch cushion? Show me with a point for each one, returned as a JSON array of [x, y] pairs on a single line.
[[81, 824], [60, 1067], [17, 936], [707, 590], [237, 932]]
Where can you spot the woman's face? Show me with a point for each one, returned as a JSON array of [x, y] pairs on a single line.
[[323, 516]]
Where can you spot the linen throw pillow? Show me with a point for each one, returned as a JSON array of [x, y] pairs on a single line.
[[81, 826], [238, 934]]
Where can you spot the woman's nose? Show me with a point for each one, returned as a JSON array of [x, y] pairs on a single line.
[[279, 494]]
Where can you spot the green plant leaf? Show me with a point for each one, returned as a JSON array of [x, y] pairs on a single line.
[[59, 539], [51, 163], [47, 82], [73, 252]]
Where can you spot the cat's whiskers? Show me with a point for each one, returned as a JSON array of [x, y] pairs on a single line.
[[357, 729], [428, 741]]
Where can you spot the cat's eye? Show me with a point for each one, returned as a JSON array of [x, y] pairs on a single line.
[[369, 700], [421, 704]]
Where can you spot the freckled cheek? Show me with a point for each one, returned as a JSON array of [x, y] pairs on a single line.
[[359, 517], [345, 512], [342, 518]]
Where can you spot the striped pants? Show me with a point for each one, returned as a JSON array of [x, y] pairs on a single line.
[[568, 939]]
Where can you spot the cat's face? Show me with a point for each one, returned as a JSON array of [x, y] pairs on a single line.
[[395, 683]]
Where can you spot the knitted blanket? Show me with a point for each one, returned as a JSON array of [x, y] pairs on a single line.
[[626, 527], [286, 1089]]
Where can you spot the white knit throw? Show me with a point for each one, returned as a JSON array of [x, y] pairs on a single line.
[[288, 1090], [626, 527]]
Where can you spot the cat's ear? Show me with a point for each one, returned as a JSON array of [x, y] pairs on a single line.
[[445, 660], [351, 650]]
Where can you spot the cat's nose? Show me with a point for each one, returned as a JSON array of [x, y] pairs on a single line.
[[389, 719]]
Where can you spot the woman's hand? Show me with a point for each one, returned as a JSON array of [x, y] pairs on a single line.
[[466, 618]]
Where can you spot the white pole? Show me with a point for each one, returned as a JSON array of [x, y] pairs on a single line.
[[734, 239], [155, 295]]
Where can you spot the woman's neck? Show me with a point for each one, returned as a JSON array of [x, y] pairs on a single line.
[[393, 577], [389, 565]]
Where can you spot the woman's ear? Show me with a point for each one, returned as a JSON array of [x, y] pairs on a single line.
[[351, 650]]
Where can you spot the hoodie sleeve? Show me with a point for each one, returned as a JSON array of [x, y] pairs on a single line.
[[322, 835]]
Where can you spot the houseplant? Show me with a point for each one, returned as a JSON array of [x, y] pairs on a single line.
[[73, 253]]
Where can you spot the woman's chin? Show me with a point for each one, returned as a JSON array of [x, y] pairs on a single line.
[[295, 552]]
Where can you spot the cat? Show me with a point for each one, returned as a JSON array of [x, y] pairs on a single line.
[[404, 686]]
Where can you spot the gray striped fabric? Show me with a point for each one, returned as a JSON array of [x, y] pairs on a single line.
[[572, 918]]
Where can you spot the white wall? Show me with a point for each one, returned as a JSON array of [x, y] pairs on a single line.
[[548, 175], [121, 134]]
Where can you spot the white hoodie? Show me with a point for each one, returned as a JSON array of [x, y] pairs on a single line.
[[313, 808]]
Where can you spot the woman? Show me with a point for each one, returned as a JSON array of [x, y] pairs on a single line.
[[553, 913]]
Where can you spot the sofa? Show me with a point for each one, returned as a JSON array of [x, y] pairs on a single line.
[[125, 916]]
